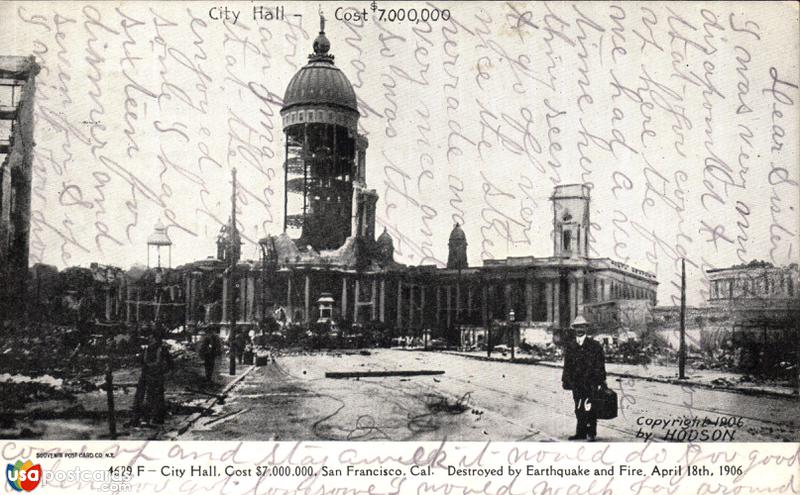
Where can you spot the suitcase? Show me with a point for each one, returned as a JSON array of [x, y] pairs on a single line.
[[605, 403]]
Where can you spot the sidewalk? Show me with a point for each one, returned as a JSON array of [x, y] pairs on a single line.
[[188, 397], [711, 379]]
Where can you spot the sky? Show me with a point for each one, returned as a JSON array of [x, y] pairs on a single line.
[[682, 119]]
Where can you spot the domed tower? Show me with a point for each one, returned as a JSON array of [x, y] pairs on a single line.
[[457, 247], [385, 248], [324, 167]]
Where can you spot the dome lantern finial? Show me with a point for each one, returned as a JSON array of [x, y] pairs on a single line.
[[321, 45]]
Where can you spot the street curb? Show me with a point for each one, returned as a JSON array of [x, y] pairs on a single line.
[[671, 381], [188, 422]]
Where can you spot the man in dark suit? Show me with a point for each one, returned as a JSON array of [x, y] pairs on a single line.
[[149, 401], [584, 373], [209, 350]]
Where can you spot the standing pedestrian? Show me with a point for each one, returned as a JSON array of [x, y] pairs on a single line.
[[149, 402], [209, 351], [241, 344], [584, 374]]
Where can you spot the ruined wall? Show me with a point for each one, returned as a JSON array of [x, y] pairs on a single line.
[[16, 152]]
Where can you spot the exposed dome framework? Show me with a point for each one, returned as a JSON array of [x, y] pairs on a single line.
[[324, 153]]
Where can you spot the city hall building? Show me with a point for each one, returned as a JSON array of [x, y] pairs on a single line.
[[328, 264]]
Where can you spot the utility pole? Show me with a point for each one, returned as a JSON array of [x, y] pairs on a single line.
[[682, 349], [232, 274]]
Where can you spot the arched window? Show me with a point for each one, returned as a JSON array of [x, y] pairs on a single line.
[[567, 240]]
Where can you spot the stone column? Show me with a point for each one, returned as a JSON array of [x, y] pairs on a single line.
[[138, 298], [225, 297], [529, 300], [108, 304], [399, 322], [458, 303], [374, 300], [128, 299], [469, 301], [344, 298], [438, 304], [548, 297], [422, 305], [307, 299], [356, 301], [195, 299], [257, 297], [449, 306], [289, 308], [382, 313], [578, 295], [187, 299], [572, 299], [410, 305], [557, 302], [484, 315], [122, 308]]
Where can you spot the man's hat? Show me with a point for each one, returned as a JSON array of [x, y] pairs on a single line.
[[580, 321]]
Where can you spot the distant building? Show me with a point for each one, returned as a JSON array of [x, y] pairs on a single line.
[[760, 306], [17, 88], [757, 293], [755, 282], [623, 315]]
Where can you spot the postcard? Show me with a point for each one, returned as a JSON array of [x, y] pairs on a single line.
[[258, 247]]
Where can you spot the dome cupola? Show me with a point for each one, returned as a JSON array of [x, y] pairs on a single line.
[[385, 247], [457, 249], [320, 92]]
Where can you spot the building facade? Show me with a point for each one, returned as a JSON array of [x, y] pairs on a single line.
[[17, 89], [753, 283], [327, 264], [757, 294]]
